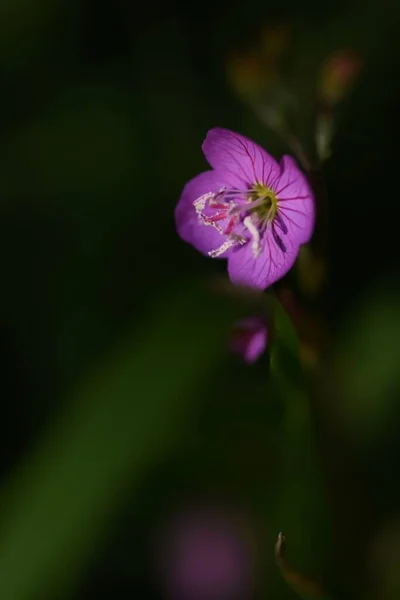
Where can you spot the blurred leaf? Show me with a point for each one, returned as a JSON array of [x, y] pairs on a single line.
[[113, 426], [83, 143], [284, 349], [383, 562], [25, 26], [366, 369], [300, 511]]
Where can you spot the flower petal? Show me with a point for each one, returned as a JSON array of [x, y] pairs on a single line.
[[295, 201], [277, 257], [203, 238], [242, 160]]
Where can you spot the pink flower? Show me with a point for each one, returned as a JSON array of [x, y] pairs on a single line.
[[249, 209], [249, 339]]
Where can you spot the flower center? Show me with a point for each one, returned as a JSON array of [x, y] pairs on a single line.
[[237, 214], [264, 202]]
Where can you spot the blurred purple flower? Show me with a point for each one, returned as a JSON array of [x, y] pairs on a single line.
[[248, 209], [207, 557], [249, 339]]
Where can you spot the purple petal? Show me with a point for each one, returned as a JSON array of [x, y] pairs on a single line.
[[242, 160], [280, 223], [188, 225], [296, 201], [278, 239], [266, 269], [249, 339]]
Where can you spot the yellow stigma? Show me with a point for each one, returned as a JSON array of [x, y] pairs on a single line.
[[266, 209]]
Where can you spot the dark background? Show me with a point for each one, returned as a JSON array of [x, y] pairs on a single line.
[[104, 106]]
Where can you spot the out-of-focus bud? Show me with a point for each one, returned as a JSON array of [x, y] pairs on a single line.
[[259, 78], [249, 339], [339, 73], [246, 74], [259, 70]]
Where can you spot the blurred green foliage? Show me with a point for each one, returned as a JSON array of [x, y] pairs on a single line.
[[110, 429]]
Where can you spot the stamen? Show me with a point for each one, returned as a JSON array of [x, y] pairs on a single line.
[[266, 221], [200, 203], [218, 205], [233, 221], [218, 198], [238, 208], [217, 217], [234, 192], [208, 223], [223, 248], [255, 234], [229, 242], [220, 192]]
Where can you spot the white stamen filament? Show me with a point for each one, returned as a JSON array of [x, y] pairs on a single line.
[[231, 241], [255, 234], [218, 196], [223, 248]]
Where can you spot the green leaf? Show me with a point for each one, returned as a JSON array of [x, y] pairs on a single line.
[[366, 368], [117, 423], [284, 348], [300, 504]]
